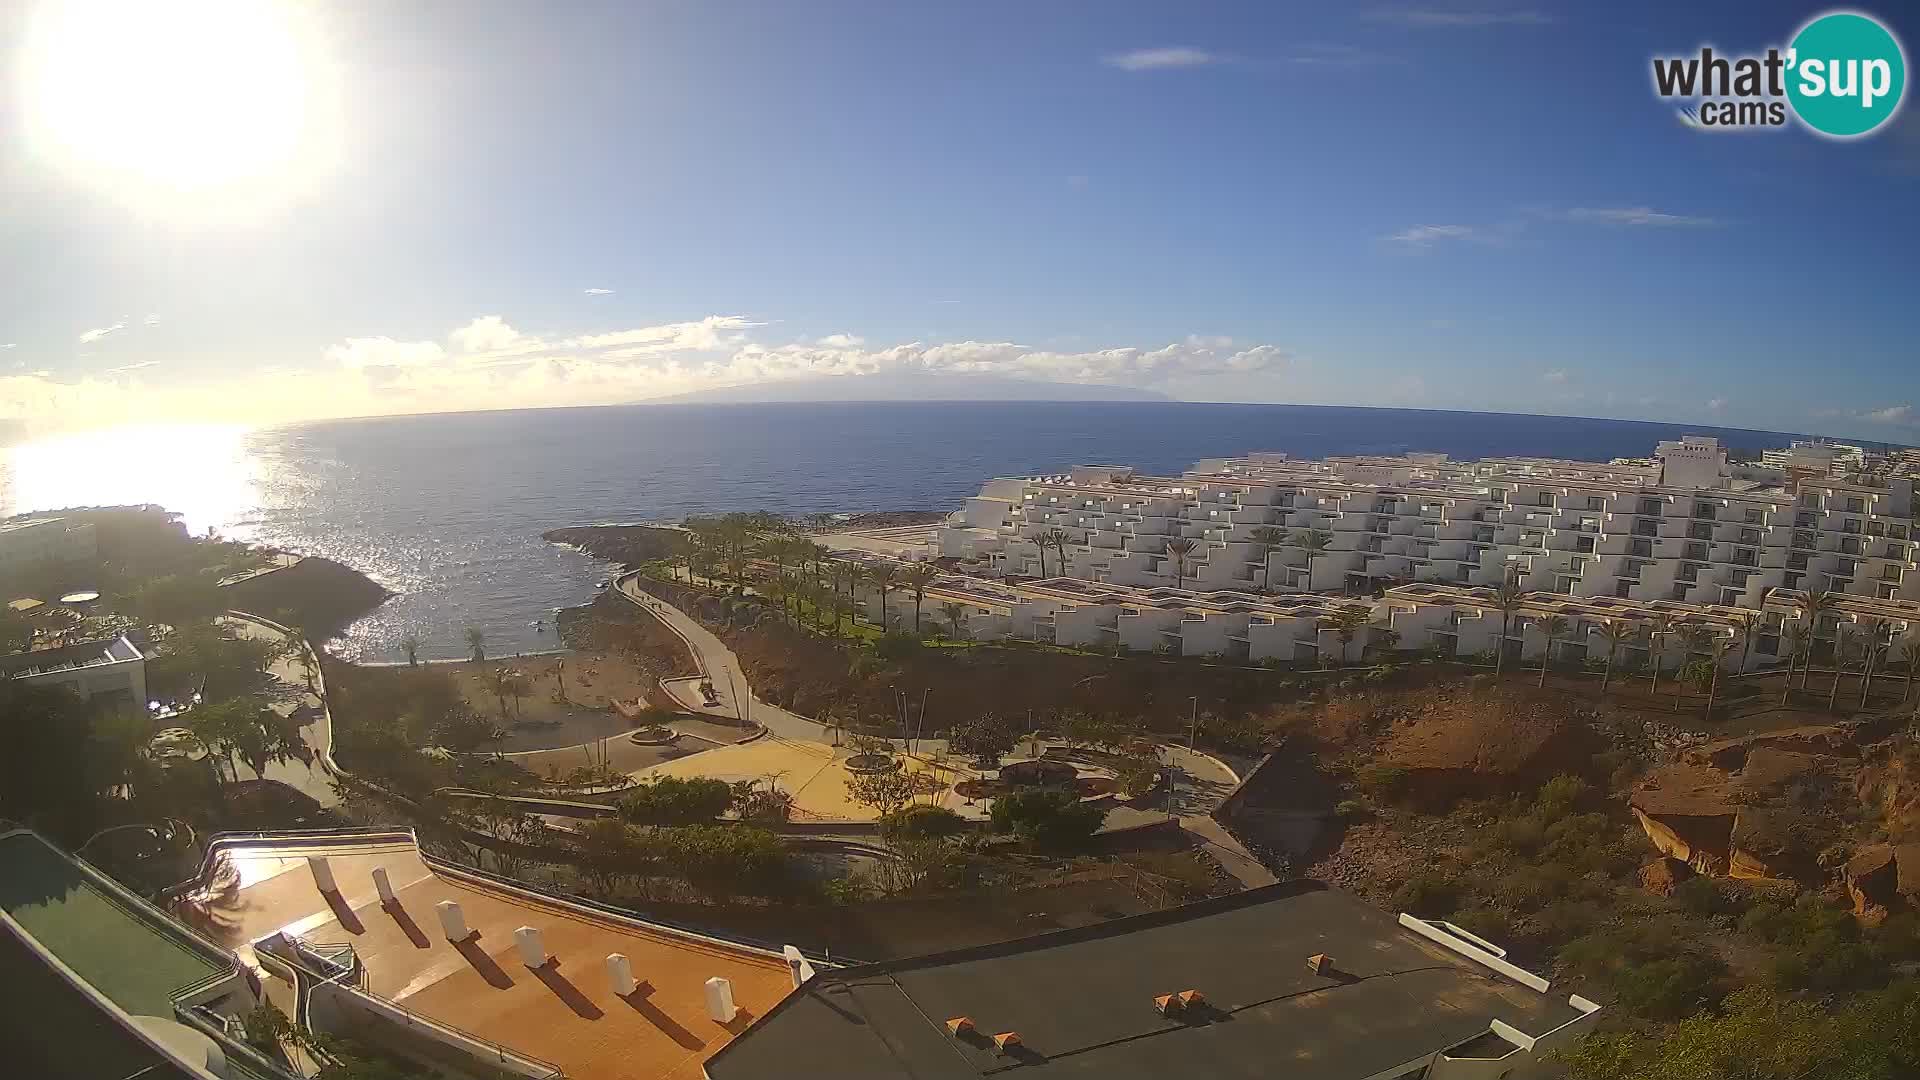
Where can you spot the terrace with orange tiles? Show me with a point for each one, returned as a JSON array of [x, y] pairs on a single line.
[[564, 1012]]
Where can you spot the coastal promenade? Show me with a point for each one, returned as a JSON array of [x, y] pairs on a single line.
[[310, 777]]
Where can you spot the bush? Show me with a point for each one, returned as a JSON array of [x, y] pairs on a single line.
[[1047, 818], [1702, 896], [922, 821], [1655, 967], [1381, 782], [897, 646], [1427, 895], [672, 800]]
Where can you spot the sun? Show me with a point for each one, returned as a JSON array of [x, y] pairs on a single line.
[[176, 97]]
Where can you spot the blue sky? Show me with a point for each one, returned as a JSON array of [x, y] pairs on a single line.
[[1440, 204]]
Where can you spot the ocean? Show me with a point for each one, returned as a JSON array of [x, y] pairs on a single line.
[[447, 510]]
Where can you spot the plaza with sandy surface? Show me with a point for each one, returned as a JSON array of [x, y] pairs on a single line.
[[815, 773]]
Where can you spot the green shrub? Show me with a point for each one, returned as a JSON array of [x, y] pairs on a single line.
[[1702, 896], [1428, 895], [673, 800], [1380, 781], [933, 821], [1047, 818]]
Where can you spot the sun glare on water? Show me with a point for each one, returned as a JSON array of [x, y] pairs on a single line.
[[200, 471], [178, 99]]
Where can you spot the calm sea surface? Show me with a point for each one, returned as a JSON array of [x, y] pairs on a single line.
[[448, 510]]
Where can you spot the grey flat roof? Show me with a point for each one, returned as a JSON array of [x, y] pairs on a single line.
[[1082, 1000]]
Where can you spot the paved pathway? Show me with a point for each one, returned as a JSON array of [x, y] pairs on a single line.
[[719, 664], [291, 692]]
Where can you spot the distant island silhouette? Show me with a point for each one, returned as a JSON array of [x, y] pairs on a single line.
[[914, 386]]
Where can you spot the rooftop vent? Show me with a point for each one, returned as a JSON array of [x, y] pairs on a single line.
[[1192, 999], [1006, 1042], [959, 1026], [1319, 963]]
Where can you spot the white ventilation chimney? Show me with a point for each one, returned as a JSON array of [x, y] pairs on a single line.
[[383, 886], [720, 1000], [533, 951], [620, 975], [322, 873], [453, 920], [797, 966]]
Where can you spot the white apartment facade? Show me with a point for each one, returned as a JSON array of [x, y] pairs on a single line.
[[1685, 526], [111, 671]]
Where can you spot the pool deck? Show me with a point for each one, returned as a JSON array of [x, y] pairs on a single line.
[[564, 1012]]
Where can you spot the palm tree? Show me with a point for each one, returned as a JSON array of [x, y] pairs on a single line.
[[1812, 604], [1508, 599], [477, 644], [1179, 547], [515, 686], [1799, 650], [917, 578], [496, 682], [1658, 629], [778, 587], [1058, 539], [1694, 637], [1617, 633], [1555, 627], [884, 578], [1875, 648], [1346, 622], [1716, 652], [956, 614], [1267, 540], [1316, 542], [1041, 543], [1844, 637], [411, 646], [1908, 653], [1744, 630]]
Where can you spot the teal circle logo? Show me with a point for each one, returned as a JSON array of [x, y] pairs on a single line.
[[1846, 74]]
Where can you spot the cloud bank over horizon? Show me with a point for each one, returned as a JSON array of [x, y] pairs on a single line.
[[488, 363]]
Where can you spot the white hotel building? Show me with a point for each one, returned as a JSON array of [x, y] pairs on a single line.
[[1685, 535]]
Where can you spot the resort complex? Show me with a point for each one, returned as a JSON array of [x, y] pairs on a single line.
[[1248, 558]]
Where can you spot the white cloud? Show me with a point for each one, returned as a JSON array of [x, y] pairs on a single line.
[[712, 332], [1555, 376], [599, 292], [487, 363], [1715, 405], [1456, 18], [487, 334], [359, 354], [8, 345], [1160, 59], [151, 320], [1425, 236], [94, 335], [1636, 215], [1892, 414]]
